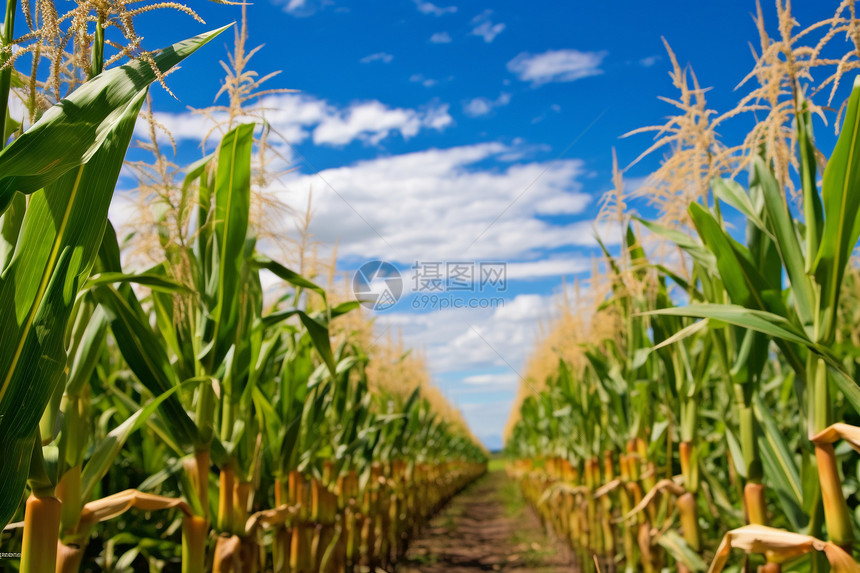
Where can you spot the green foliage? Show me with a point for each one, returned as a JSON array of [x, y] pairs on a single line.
[[730, 378]]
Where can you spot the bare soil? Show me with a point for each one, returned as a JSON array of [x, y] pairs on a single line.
[[487, 527]]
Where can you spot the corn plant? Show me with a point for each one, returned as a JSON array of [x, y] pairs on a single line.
[[174, 391], [77, 145], [815, 275], [773, 346]]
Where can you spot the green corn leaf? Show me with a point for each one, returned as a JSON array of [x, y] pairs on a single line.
[[10, 226], [683, 553], [812, 207], [153, 281], [195, 171], [810, 482], [36, 377], [156, 479], [70, 133], [126, 406], [318, 333], [76, 151], [146, 356], [780, 329], [780, 467], [12, 125], [734, 194], [272, 424], [738, 272], [690, 245], [232, 204], [70, 213], [787, 242], [109, 257], [846, 384], [736, 452], [634, 247], [761, 321], [61, 223], [88, 352], [841, 213], [292, 277], [106, 450]]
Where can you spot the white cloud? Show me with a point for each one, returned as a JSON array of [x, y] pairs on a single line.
[[649, 61], [478, 106], [462, 340], [373, 121], [507, 379], [441, 38], [475, 355], [485, 28], [430, 8], [304, 8], [556, 66], [298, 117], [632, 184], [587, 231], [478, 357], [555, 108], [483, 106], [437, 117], [404, 198], [383, 57], [488, 31], [475, 406], [415, 276], [556, 267], [431, 205], [420, 79]]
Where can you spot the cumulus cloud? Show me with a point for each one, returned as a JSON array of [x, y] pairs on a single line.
[[430, 8], [403, 198], [465, 340], [373, 121], [556, 66], [383, 57], [483, 106], [418, 274], [475, 355], [485, 28], [478, 357], [299, 117], [441, 38]]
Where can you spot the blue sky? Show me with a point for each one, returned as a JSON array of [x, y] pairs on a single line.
[[422, 126]]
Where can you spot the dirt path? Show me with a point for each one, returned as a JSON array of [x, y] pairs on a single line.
[[487, 527]]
